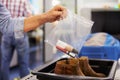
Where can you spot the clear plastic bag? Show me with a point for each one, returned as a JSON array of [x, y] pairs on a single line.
[[70, 30]]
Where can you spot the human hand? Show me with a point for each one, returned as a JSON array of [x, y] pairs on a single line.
[[57, 13]]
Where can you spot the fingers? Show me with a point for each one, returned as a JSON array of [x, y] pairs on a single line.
[[56, 13], [62, 9], [57, 16], [59, 8]]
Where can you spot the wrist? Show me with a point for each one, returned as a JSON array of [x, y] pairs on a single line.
[[43, 18], [33, 22]]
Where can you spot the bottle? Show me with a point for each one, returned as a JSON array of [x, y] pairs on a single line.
[[66, 48]]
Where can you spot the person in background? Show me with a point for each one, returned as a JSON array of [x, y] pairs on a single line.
[[17, 8], [17, 27]]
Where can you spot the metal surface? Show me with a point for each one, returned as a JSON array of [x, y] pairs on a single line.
[[29, 77]]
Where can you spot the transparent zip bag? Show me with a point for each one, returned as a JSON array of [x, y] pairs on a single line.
[[71, 30]]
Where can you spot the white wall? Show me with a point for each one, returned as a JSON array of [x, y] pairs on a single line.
[[96, 3], [69, 4], [85, 6], [37, 6]]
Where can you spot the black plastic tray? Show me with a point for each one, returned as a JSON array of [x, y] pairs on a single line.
[[108, 67]]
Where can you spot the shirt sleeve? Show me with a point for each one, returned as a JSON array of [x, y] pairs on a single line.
[[10, 26]]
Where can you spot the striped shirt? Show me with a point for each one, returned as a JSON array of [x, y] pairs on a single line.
[[7, 24], [18, 8]]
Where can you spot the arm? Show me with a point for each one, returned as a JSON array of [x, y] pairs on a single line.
[[5, 20], [31, 23], [54, 14], [8, 24]]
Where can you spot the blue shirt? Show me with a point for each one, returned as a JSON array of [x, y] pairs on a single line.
[[10, 26]]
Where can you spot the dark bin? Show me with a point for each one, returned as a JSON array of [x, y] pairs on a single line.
[[108, 67]]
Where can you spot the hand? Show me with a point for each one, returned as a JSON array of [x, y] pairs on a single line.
[[57, 13]]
